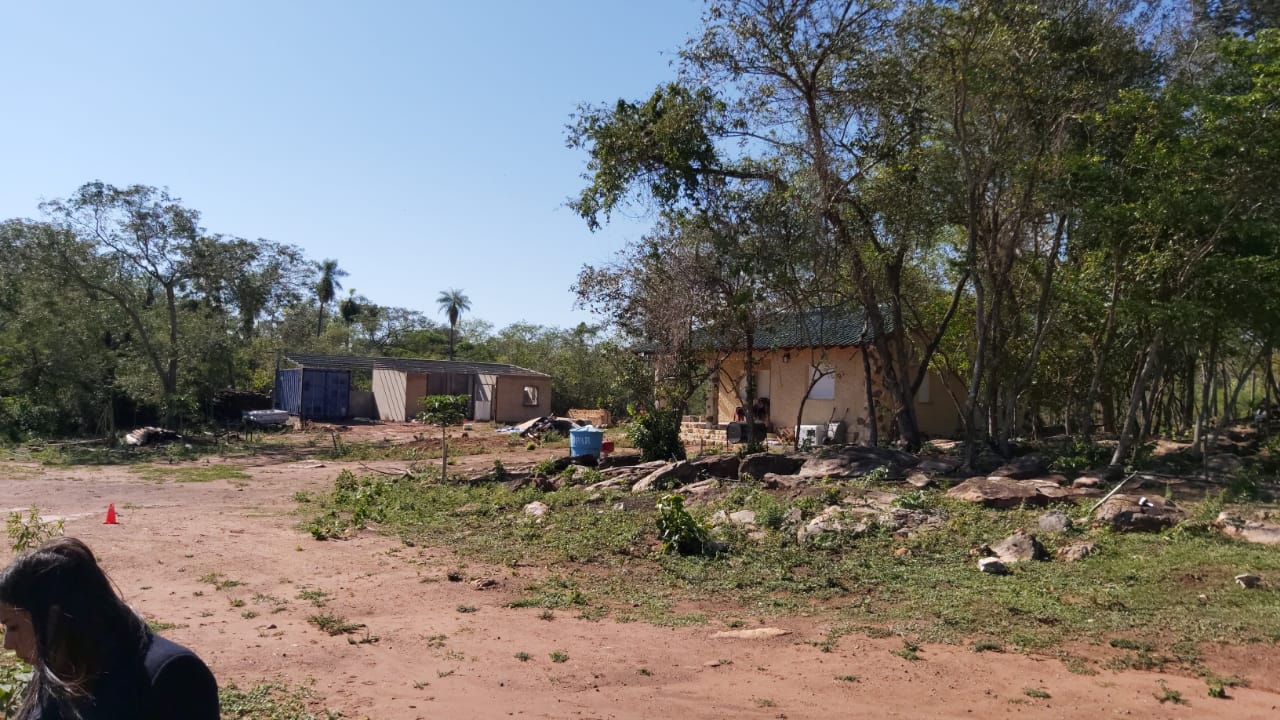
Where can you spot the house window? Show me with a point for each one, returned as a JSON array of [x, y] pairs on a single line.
[[822, 379], [530, 396]]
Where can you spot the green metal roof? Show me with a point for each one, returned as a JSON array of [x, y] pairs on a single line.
[[838, 326]]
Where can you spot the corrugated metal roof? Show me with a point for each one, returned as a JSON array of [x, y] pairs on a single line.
[[460, 367], [839, 326]]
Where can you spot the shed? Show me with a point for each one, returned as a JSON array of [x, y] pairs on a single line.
[[498, 392]]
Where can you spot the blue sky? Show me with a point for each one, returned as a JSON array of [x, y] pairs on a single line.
[[421, 144]]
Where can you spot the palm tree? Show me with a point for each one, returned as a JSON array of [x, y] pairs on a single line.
[[453, 303], [349, 309], [327, 288]]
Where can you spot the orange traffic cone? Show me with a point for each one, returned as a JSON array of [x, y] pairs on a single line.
[[111, 515]]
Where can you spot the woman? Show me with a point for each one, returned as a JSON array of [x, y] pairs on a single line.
[[93, 657]]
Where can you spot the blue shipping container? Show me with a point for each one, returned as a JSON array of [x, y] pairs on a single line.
[[314, 393]]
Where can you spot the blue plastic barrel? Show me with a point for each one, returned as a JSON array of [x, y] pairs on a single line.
[[585, 441]]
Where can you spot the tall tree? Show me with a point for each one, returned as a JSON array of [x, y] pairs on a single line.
[[453, 303], [327, 287]]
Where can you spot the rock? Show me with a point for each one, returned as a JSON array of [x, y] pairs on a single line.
[[1054, 521], [617, 483], [993, 566], [717, 466], [1262, 532], [620, 460], [999, 492], [761, 464], [1126, 514], [1249, 582], [869, 498], [537, 508], [853, 461], [743, 517], [793, 518], [836, 520], [763, 633], [1087, 482], [1020, 547], [1077, 551], [901, 521], [484, 583], [1022, 468], [711, 664], [774, 481], [670, 475], [700, 489], [1224, 464], [938, 467], [920, 480]]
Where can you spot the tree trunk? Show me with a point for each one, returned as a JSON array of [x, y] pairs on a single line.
[[873, 424], [1206, 393], [1130, 428]]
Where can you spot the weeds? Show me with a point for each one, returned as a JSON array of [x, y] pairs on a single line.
[[27, 532], [333, 624], [523, 656], [559, 657], [269, 701], [1168, 694]]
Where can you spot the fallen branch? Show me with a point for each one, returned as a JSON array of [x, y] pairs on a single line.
[[1107, 497], [397, 472]]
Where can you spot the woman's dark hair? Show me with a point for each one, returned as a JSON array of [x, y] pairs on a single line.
[[81, 625]]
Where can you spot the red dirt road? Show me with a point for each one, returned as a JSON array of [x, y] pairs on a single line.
[[172, 534]]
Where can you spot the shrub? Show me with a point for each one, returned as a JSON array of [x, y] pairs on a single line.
[[678, 530], [657, 435]]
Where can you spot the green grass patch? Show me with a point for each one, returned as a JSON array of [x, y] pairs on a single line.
[[189, 473], [932, 593], [271, 701]]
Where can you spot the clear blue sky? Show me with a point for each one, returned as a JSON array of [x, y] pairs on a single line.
[[421, 144]]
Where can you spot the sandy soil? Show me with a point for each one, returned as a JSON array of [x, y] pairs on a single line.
[[172, 534]]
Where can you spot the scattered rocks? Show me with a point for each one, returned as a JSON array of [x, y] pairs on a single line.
[[1005, 493], [762, 464], [993, 566], [837, 520], [1020, 547], [1054, 521], [1249, 582], [1262, 532], [537, 508], [853, 461], [1077, 551], [1126, 514], [1022, 468], [762, 633]]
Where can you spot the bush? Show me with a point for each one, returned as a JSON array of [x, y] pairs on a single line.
[[657, 435], [677, 529]]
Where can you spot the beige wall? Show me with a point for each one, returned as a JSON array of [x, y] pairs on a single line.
[[388, 394], [508, 399], [789, 381], [396, 393]]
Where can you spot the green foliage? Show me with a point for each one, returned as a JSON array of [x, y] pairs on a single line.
[[656, 434], [14, 677], [443, 409], [270, 701], [499, 472], [29, 531], [678, 530]]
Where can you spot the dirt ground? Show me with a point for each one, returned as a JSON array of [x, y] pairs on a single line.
[[171, 535]]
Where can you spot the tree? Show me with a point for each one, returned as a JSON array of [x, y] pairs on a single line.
[[453, 303], [327, 287], [443, 410]]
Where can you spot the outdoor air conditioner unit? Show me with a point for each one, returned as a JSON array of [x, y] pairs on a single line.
[[812, 435]]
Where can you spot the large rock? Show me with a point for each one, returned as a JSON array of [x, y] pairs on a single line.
[[1054, 521], [920, 480], [1129, 513], [993, 566], [1005, 493], [856, 461], [701, 489], [1263, 532], [785, 482], [1087, 482], [1077, 551], [718, 466], [869, 498], [938, 467], [1022, 468], [1021, 546], [836, 520], [761, 464], [670, 475]]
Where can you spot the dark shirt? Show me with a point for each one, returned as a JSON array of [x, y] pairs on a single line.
[[170, 683]]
